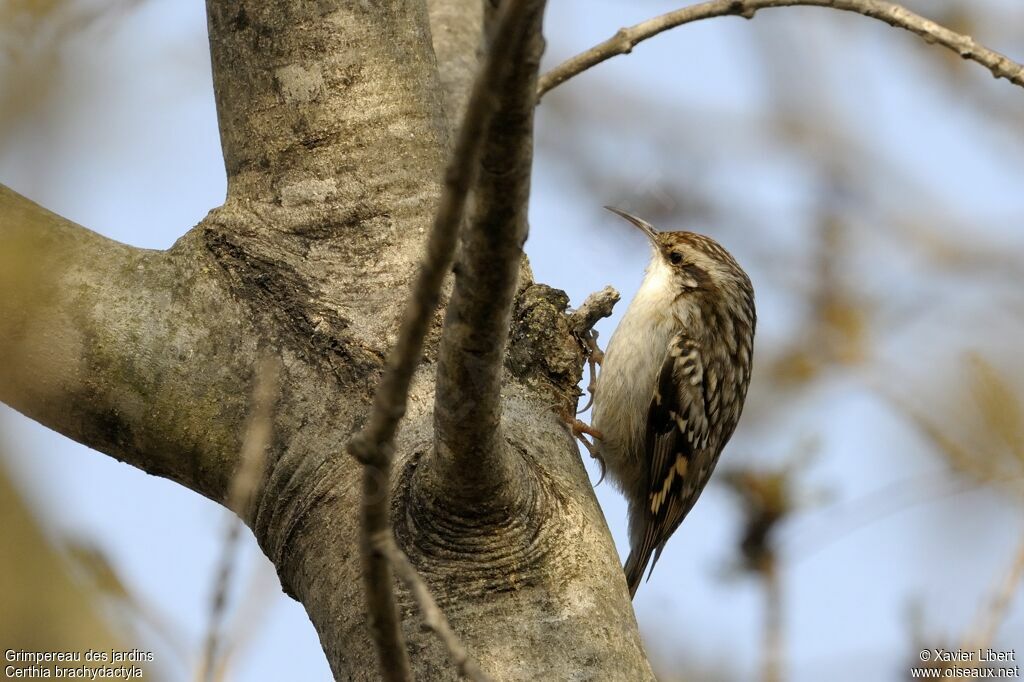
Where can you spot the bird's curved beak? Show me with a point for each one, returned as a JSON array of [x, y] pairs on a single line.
[[642, 225]]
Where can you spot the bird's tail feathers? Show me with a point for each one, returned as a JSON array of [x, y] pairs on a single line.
[[634, 569]]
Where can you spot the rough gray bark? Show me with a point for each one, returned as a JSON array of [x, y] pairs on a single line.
[[335, 120]]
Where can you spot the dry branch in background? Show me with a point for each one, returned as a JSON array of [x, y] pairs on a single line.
[[626, 39], [993, 455], [769, 498], [244, 484], [993, 611]]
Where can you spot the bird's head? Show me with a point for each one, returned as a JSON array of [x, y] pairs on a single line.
[[697, 263]]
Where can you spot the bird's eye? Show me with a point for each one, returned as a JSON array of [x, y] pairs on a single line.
[[675, 257]]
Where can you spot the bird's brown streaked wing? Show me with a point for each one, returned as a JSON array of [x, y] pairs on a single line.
[[677, 428]]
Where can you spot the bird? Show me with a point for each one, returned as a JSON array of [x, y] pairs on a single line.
[[672, 384]]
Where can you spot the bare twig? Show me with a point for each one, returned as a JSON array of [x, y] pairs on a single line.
[[895, 15], [773, 630], [842, 520], [243, 484], [374, 445], [467, 404], [209, 664], [768, 498], [256, 598], [433, 617], [994, 611], [988, 470]]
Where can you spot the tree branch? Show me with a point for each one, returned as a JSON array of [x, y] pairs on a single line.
[[374, 445], [895, 15], [334, 138], [467, 407], [102, 343]]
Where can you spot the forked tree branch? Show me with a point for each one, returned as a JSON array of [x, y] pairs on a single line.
[[468, 434], [374, 445], [626, 39]]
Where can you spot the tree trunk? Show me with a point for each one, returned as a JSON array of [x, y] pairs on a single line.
[[336, 119]]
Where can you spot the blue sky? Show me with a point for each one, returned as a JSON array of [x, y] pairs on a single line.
[[127, 145]]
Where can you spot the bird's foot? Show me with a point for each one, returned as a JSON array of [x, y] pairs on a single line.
[[580, 430], [595, 357]]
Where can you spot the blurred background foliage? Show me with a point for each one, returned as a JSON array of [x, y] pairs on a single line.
[[871, 502], [45, 607]]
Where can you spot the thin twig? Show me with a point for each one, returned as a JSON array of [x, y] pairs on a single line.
[[374, 445], [433, 616], [773, 627], [212, 648], [994, 612], [243, 484], [845, 519], [895, 15]]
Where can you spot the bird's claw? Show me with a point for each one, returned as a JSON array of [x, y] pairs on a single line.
[[595, 356], [579, 430], [600, 462], [590, 400]]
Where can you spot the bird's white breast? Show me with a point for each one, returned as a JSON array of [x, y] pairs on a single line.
[[632, 362]]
